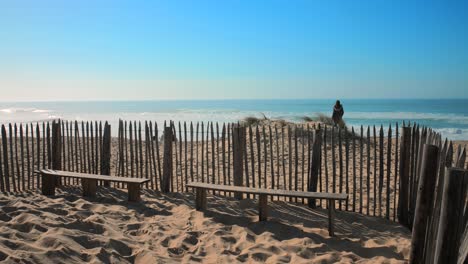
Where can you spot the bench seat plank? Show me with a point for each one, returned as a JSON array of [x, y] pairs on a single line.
[[93, 176], [286, 193], [201, 188]]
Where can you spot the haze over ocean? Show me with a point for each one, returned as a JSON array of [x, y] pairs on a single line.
[[449, 116]]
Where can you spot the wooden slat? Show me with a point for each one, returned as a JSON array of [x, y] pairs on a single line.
[[290, 146], [2, 178], [223, 147], [32, 154], [88, 152], [246, 167], [12, 159], [17, 158], [347, 165], [238, 154], [158, 158], [389, 164], [49, 146], [368, 171], [180, 157], [333, 160], [38, 138], [395, 177], [140, 151], [185, 155], [283, 158], [309, 151], [135, 149], [340, 159], [155, 176], [261, 191], [6, 171], [91, 149], [354, 169], [296, 160], [68, 154], [375, 172], [271, 160], [191, 152], [213, 155], [147, 155], [325, 155], [229, 152], [361, 151], [44, 149], [252, 155], [265, 158], [64, 148], [23, 179], [176, 174], [277, 157], [259, 156], [207, 140], [381, 167], [202, 154], [130, 133], [28, 159], [218, 159], [167, 163], [99, 145], [197, 172]]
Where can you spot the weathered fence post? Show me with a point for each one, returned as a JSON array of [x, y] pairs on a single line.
[[56, 149], [451, 216], [238, 136], [405, 146], [314, 166], [106, 152], [167, 162], [424, 203]]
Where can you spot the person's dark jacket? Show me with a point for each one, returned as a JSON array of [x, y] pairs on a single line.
[[338, 113]]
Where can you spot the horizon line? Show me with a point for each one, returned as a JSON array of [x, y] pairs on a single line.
[[222, 99]]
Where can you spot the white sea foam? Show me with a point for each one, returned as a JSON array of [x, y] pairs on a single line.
[[452, 126]]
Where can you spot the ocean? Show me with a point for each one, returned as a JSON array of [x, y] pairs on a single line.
[[448, 116]]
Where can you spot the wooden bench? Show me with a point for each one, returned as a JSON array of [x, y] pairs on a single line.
[[89, 182], [200, 202]]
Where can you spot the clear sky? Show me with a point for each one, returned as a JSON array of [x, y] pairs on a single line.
[[111, 49]]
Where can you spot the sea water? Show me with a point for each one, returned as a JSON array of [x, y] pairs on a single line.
[[448, 116]]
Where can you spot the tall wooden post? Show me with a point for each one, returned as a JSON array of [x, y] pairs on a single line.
[[314, 166], [167, 162], [403, 197], [451, 216], [238, 140], [56, 149], [106, 152], [424, 203]]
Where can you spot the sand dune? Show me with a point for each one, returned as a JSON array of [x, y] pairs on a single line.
[[68, 228]]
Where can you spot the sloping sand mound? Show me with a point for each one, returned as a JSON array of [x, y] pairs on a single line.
[[165, 229]]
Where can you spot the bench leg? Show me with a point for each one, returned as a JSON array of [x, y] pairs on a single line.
[[89, 187], [133, 192], [48, 184], [262, 207], [200, 201], [331, 216]]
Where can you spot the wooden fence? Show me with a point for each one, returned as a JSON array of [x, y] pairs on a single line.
[[437, 209], [366, 164]]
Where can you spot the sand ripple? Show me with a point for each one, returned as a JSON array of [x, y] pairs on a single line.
[[166, 229]]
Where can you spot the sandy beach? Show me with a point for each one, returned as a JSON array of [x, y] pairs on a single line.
[[68, 228]]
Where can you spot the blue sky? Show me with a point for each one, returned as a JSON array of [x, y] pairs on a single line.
[[100, 49]]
